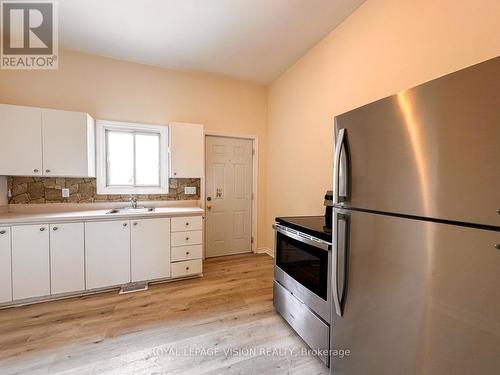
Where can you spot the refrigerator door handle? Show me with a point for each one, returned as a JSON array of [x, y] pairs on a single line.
[[339, 194], [339, 267]]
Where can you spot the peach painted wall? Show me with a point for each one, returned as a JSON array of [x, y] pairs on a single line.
[[118, 90], [385, 46]]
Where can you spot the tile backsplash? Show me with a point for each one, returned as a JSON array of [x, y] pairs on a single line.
[[29, 190]]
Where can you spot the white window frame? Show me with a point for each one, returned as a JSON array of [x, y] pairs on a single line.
[[101, 157]]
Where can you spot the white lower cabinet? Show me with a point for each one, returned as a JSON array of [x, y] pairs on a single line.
[[30, 261], [150, 249], [5, 266], [67, 258], [107, 253]]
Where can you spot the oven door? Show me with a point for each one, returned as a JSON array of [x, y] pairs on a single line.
[[303, 267]]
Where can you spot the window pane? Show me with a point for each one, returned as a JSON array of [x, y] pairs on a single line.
[[120, 158], [147, 154]]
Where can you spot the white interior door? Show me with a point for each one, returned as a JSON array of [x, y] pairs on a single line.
[[228, 195]]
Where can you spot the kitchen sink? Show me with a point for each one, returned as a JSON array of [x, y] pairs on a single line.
[[131, 210]]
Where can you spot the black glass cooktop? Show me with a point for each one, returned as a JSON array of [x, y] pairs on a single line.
[[312, 225]]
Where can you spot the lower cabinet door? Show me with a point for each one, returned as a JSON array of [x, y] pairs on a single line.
[[150, 249], [30, 261], [67, 258], [5, 266], [107, 253]]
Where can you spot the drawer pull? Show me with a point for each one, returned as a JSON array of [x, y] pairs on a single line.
[[2, 232], [187, 252], [187, 238], [187, 224], [187, 268], [135, 224], [55, 228]]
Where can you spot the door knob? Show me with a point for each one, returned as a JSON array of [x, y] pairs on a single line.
[[209, 206], [209, 199]]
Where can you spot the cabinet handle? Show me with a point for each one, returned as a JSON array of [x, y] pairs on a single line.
[[175, 173], [47, 171], [124, 224], [187, 252], [187, 268], [55, 228], [187, 238], [42, 229], [2, 232], [135, 224], [35, 170], [187, 224]]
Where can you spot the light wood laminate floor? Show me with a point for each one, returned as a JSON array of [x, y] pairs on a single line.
[[223, 323]]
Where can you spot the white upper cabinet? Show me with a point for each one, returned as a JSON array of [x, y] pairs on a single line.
[[20, 141], [46, 142], [186, 150], [68, 144]]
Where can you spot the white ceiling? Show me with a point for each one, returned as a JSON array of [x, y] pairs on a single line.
[[253, 40]]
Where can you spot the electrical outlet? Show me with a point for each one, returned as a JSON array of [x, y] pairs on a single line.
[[190, 190], [65, 193]]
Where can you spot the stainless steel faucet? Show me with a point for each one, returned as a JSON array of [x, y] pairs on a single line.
[[133, 201]]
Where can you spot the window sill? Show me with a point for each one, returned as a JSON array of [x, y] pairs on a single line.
[[131, 191]]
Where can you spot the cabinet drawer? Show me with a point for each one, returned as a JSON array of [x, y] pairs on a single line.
[[180, 224], [189, 267], [310, 327], [186, 252], [187, 238]]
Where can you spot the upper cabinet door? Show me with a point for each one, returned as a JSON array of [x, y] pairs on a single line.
[[186, 150], [68, 144], [21, 141]]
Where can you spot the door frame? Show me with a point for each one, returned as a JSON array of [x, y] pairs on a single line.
[[255, 164]]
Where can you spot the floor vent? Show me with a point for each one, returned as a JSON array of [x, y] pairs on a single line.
[[134, 287]]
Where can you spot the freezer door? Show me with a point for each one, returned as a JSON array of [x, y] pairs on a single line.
[[431, 151], [418, 297]]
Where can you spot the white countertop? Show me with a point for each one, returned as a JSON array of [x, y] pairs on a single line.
[[11, 218]]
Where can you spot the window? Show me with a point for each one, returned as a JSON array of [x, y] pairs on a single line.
[[131, 158]]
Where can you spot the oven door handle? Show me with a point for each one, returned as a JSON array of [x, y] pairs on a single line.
[[340, 257], [320, 244]]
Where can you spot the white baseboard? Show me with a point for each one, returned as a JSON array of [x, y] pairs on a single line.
[[265, 250]]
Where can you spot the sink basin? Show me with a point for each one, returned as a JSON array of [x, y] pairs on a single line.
[[130, 210]]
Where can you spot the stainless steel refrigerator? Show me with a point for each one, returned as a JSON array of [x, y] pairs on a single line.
[[416, 231]]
